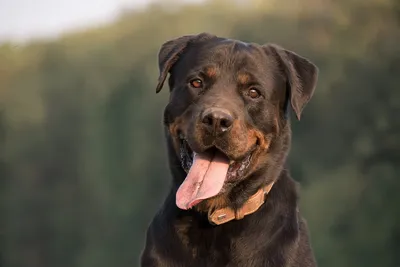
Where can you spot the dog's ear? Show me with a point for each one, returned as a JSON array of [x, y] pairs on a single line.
[[301, 73], [170, 52]]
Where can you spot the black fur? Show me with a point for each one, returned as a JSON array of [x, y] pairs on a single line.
[[275, 235]]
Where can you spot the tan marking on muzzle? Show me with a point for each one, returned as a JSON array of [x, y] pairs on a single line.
[[173, 131], [236, 129], [276, 123], [260, 154], [256, 136]]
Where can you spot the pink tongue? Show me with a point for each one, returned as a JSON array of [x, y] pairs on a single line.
[[204, 180]]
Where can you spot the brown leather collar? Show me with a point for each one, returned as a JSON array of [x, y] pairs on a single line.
[[224, 215]]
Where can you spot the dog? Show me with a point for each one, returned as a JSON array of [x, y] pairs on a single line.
[[232, 201]]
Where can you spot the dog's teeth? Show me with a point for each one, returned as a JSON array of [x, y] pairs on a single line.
[[231, 162]]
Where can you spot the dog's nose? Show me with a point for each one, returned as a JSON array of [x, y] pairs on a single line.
[[217, 120]]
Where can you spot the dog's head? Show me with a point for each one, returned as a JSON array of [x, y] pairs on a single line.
[[226, 121]]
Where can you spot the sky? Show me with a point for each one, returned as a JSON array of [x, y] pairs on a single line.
[[22, 20]]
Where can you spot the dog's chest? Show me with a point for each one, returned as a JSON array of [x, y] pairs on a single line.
[[221, 246]]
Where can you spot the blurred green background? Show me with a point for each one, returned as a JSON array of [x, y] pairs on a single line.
[[82, 156]]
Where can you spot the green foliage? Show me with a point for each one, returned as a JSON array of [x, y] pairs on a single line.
[[82, 156]]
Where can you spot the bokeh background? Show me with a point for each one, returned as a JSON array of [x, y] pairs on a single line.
[[82, 157]]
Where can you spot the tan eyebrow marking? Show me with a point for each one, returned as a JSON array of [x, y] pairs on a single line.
[[243, 78], [211, 72]]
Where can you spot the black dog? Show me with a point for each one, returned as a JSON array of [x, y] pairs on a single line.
[[232, 202]]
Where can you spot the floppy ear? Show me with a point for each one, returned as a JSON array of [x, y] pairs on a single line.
[[301, 73], [170, 52]]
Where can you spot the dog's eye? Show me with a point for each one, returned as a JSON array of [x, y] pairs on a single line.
[[254, 93], [196, 83]]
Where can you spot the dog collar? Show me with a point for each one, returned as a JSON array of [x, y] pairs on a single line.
[[224, 215]]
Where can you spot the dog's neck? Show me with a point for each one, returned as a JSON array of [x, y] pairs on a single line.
[[224, 215]]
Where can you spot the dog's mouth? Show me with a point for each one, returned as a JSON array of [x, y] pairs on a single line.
[[236, 168], [207, 172]]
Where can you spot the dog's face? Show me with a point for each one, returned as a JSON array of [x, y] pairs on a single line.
[[228, 106], [223, 99]]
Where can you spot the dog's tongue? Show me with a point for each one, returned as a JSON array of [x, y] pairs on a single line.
[[204, 180]]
